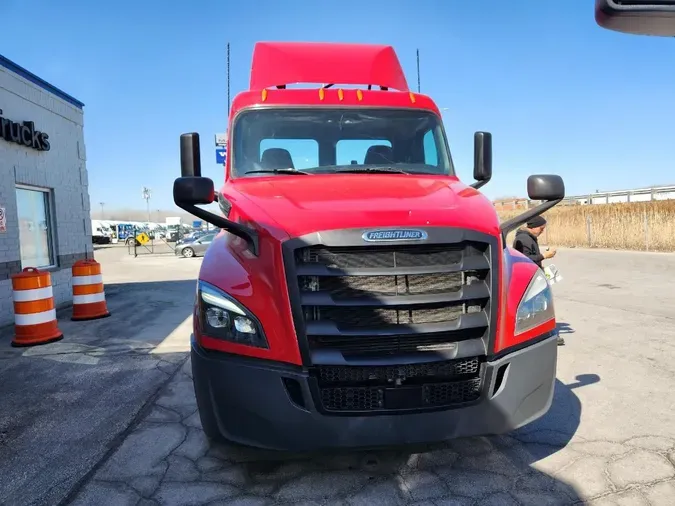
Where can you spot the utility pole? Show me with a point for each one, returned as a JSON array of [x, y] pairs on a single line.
[[146, 196], [102, 214]]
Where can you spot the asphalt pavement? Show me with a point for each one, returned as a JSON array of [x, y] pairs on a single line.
[[107, 416]]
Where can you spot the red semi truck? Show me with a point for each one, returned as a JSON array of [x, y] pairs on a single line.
[[360, 295]]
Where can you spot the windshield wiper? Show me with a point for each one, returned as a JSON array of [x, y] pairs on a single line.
[[278, 171], [377, 170]]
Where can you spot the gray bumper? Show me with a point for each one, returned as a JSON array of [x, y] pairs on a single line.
[[250, 404]]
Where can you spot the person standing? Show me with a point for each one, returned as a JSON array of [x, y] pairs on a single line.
[[527, 242]]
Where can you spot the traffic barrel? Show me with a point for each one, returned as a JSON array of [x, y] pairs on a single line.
[[88, 293], [34, 310]]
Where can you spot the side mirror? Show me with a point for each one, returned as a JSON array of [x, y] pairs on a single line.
[[545, 187], [637, 17], [482, 158], [190, 155], [193, 190]]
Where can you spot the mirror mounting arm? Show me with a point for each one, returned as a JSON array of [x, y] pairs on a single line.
[[242, 231], [514, 223], [479, 184]]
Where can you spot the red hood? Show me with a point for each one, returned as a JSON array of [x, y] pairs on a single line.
[[303, 204]]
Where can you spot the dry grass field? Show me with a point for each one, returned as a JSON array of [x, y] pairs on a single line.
[[631, 226]]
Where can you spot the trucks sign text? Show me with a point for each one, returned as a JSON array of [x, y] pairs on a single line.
[[23, 134]]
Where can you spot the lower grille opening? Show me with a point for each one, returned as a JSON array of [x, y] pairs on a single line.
[[501, 372], [379, 398], [405, 387]]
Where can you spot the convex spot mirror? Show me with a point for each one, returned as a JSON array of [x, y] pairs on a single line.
[[545, 187], [193, 190]]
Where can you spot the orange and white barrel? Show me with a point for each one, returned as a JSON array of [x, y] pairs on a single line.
[[34, 310], [88, 292]]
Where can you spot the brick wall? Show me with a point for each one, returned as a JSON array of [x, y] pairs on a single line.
[[62, 169]]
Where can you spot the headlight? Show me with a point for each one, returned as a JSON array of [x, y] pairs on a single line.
[[536, 306], [222, 317]]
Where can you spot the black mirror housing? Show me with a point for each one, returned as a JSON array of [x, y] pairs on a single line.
[[545, 187], [638, 17], [193, 190], [190, 155], [482, 158]]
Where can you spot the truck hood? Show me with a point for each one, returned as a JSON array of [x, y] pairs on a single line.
[[301, 205]]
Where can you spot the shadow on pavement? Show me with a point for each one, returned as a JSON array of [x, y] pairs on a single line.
[[503, 469], [564, 328], [86, 389]]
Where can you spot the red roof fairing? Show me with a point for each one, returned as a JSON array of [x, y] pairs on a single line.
[[281, 63]]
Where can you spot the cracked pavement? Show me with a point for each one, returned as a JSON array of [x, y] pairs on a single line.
[[608, 438], [167, 460]]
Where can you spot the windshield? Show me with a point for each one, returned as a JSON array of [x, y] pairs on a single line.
[[329, 140]]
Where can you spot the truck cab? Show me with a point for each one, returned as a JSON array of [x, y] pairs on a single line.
[[360, 294]]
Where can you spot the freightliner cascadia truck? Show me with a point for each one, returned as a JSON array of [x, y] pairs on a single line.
[[360, 294]]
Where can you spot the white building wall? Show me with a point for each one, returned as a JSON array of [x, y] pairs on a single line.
[[622, 196], [62, 169]]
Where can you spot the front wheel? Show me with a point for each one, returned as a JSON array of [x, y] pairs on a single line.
[[188, 252]]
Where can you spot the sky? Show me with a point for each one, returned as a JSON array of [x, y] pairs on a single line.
[[559, 94]]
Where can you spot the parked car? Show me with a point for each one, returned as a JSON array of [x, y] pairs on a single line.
[[195, 248], [192, 236]]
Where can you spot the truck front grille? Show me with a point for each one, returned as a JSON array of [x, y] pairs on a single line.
[[405, 387], [387, 300], [393, 327]]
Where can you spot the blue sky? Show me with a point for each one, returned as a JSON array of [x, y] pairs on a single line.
[[560, 94]]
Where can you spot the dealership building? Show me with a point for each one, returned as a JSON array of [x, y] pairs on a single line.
[[44, 195]]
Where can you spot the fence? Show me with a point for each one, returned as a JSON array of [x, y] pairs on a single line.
[[644, 226], [597, 198], [154, 246]]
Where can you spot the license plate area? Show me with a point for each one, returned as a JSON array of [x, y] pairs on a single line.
[[403, 397]]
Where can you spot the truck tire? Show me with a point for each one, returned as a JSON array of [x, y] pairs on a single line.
[[188, 252]]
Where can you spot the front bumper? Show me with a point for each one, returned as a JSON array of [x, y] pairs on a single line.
[[251, 404]]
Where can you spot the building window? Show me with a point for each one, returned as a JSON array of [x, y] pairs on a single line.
[[35, 227]]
